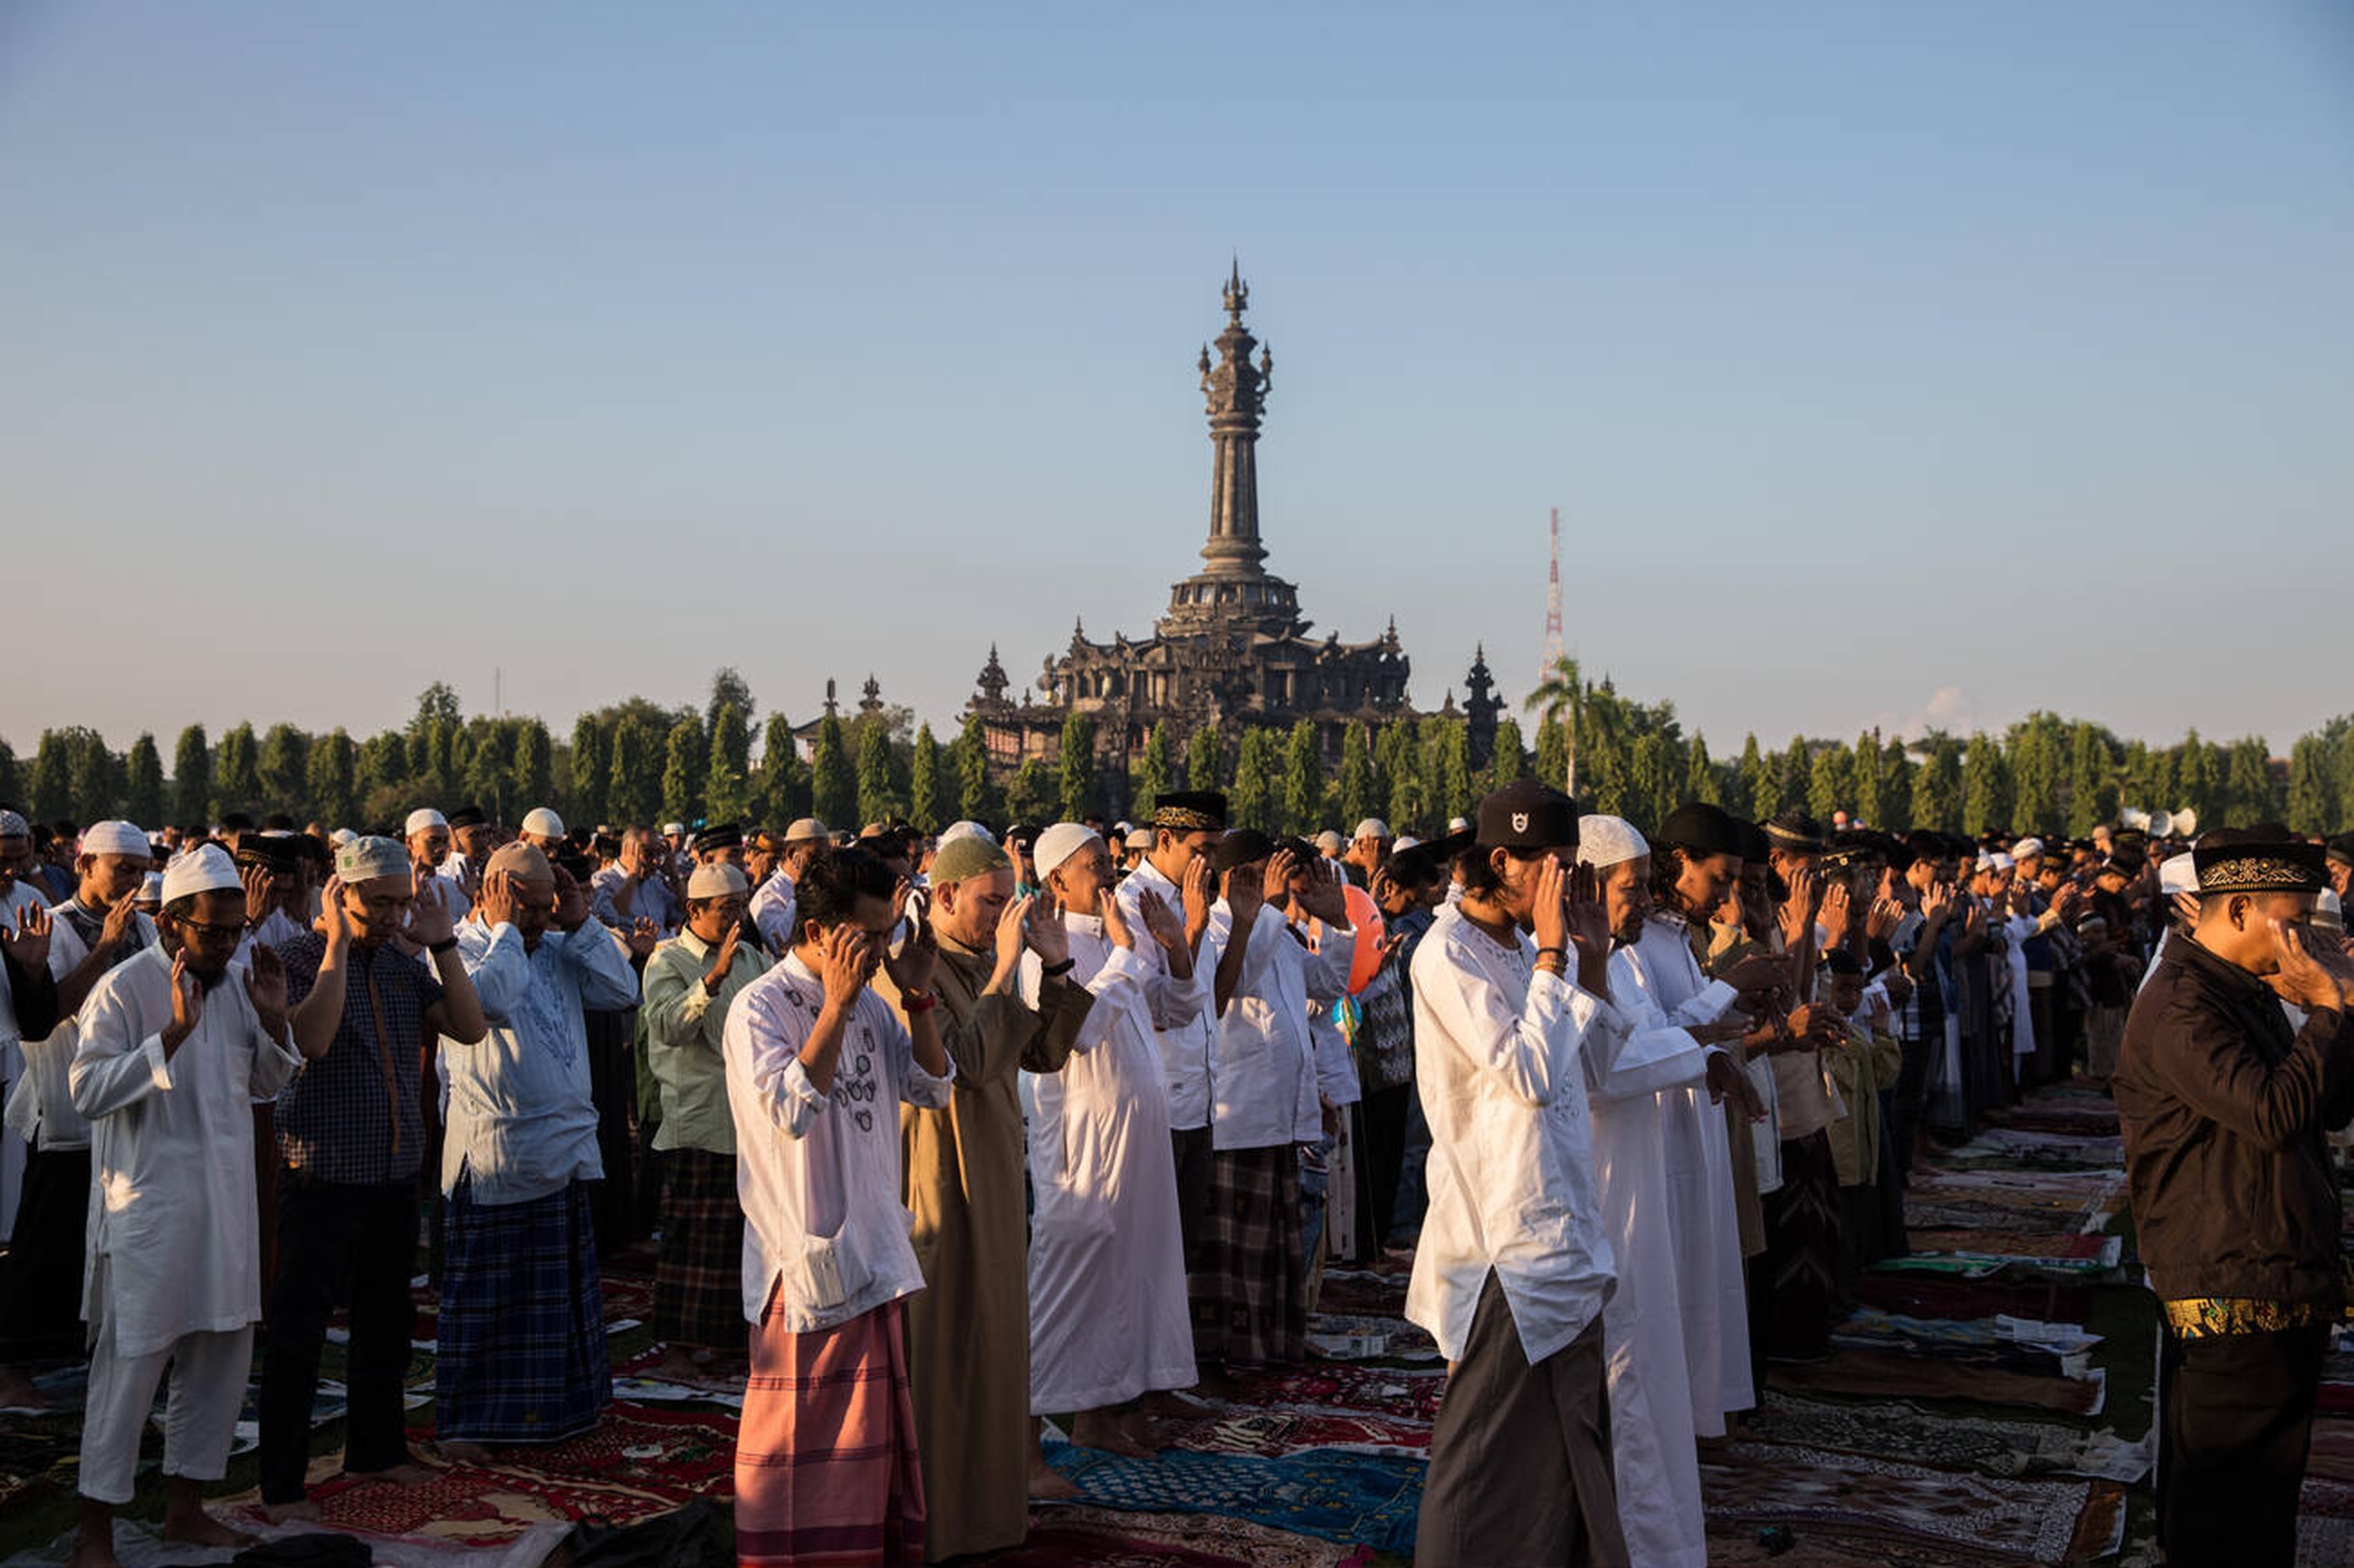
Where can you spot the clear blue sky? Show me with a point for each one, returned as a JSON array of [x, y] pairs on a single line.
[[2001, 349]]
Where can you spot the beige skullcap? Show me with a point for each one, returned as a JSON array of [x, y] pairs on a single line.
[[520, 860], [365, 859], [806, 829], [716, 880]]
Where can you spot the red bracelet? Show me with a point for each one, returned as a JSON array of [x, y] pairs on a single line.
[[913, 1002]]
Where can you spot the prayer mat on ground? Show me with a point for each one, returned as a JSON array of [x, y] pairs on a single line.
[[1877, 1374], [1354, 1338], [634, 1464], [1365, 1498], [1989, 1446], [2015, 1344], [1932, 1296], [1077, 1537], [1272, 1433], [1361, 1290], [1409, 1393], [2332, 1456], [2324, 1543], [2026, 1146], [2023, 1519], [633, 1381], [138, 1544]]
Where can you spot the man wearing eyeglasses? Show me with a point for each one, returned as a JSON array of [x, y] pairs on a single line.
[[173, 1048]]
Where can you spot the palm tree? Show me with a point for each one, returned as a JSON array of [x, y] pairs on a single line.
[[1562, 698]]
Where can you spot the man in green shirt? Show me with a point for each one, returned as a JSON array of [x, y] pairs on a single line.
[[689, 982]]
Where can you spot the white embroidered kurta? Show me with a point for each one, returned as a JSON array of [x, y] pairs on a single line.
[[1702, 1220], [1184, 1021], [1651, 1404], [173, 1239], [1109, 1315], [1499, 1063]]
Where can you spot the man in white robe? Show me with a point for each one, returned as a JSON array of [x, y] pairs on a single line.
[[1654, 1457], [171, 1050], [1109, 1318]]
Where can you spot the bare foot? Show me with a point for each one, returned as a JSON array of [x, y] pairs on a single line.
[[1047, 1484], [282, 1513], [197, 1528], [458, 1451], [91, 1552], [1097, 1429], [407, 1473], [18, 1392]]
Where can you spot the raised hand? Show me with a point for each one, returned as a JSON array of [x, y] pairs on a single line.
[[1199, 893], [265, 987], [1757, 974], [1937, 903], [1549, 920], [1243, 896], [1013, 932], [336, 922], [642, 938], [726, 961], [258, 900], [187, 1006], [501, 899], [1587, 916], [2186, 909], [571, 901], [1166, 926], [1043, 930], [1797, 912], [1115, 922], [918, 958], [848, 963], [120, 921], [430, 918], [1884, 916], [28, 941], [1837, 909], [1275, 887], [1327, 898]]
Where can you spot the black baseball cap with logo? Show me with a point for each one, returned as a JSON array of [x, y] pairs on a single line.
[[1527, 815]]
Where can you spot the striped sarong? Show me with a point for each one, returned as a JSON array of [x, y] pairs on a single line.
[[826, 1471], [699, 1277], [521, 1357], [1250, 1288]]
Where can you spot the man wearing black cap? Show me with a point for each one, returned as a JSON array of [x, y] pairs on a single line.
[[2339, 854], [721, 843], [1514, 1265], [1186, 826], [2223, 1110]]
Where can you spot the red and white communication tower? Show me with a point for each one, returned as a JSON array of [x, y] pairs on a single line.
[[1552, 604]]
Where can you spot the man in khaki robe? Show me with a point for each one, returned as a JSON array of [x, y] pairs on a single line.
[[969, 1328]]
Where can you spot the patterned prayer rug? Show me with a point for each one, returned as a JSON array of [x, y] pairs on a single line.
[[1079, 1537], [1987, 1446], [1365, 1498], [1272, 1433], [2022, 1519], [1339, 1388], [1874, 1374]]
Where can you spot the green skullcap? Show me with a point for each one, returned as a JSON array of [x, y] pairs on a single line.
[[965, 857]]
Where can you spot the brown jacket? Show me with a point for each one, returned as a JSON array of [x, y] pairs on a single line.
[[2224, 1109]]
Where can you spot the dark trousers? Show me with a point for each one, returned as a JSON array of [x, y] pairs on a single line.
[[2238, 1417], [1908, 1108], [40, 1274], [1520, 1456], [1385, 1117], [338, 1245], [613, 1087], [1190, 1148]]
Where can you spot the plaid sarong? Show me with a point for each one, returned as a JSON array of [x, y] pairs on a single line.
[[826, 1472], [522, 1353], [699, 1278], [1250, 1290]]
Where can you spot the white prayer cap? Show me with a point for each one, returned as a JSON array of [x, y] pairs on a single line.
[[674, 829], [1330, 841], [2001, 861], [1059, 843], [368, 859], [2328, 911], [2178, 874], [716, 880], [2028, 848], [114, 837], [1404, 842], [341, 837], [1457, 825], [964, 829], [1986, 861], [806, 828], [1608, 841], [545, 823], [1371, 828], [207, 869], [1139, 838], [422, 819], [151, 888], [14, 826], [1123, 827]]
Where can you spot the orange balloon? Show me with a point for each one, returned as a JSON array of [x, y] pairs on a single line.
[[1366, 916]]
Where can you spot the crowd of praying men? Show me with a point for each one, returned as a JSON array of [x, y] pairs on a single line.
[[942, 1136]]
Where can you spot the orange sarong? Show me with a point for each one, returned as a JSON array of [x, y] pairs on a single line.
[[826, 1475]]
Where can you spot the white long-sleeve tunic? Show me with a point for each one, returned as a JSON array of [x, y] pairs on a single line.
[[1109, 1318], [172, 1242]]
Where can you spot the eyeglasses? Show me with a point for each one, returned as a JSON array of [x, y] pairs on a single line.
[[208, 927]]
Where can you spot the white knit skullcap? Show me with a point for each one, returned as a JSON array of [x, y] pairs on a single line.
[[1059, 843], [539, 820], [2028, 848], [114, 837], [716, 880], [1608, 841], [206, 870], [964, 829], [1371, 828], [2176, 873], [422, 819]]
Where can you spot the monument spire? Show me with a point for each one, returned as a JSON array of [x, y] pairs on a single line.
[[1236, 391]]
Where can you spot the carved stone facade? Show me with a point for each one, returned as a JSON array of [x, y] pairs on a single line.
[[1232, 651]]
